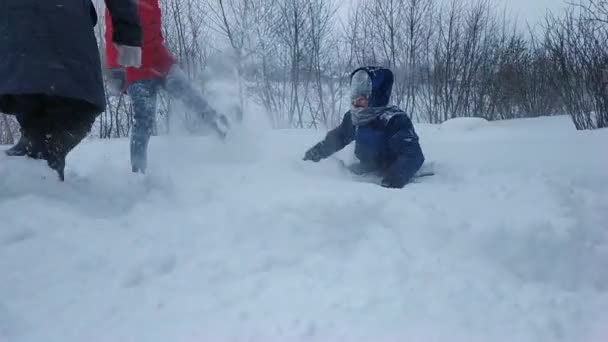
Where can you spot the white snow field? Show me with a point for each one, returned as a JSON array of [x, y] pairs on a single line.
[[244, 241]]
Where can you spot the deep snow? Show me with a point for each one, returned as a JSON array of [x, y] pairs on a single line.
[[243, 241]]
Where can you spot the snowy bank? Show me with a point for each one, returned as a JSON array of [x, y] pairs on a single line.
[[245, 242]]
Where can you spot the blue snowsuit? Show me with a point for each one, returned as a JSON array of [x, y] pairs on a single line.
[[387, 145]]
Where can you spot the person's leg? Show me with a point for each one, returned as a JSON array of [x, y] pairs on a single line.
[[51, 126], [26, 108], [65, 123], [143, 96], [178, 86]]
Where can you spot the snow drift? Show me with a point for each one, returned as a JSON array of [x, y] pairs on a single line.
[[243, 241]]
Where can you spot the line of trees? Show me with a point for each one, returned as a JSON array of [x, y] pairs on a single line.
[[454, 58]]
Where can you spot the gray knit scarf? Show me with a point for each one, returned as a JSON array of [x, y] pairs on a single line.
[[362, 117]]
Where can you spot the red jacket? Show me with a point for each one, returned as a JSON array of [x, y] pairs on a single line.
[[156, 59]]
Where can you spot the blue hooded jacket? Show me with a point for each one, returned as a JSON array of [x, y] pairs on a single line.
[[387, 145]]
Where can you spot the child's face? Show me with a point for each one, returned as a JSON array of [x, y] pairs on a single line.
[[360, 102]]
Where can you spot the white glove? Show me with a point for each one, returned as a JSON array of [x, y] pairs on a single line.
[[129, 56]]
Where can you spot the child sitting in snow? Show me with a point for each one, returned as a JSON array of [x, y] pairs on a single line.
[[386, 142]]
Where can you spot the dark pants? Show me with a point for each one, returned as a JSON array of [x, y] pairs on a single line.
[[144, 95], [51, 126]]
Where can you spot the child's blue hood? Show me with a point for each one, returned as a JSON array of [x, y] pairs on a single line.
[[382, 85]]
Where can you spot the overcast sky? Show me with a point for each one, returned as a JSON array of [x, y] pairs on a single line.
[[530, 10]]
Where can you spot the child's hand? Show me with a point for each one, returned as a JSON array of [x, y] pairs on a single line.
[[313, 155]]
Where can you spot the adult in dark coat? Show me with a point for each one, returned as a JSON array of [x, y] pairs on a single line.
[[386, 142], [50, 70]]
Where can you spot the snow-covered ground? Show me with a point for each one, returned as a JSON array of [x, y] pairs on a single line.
[[243, 241]]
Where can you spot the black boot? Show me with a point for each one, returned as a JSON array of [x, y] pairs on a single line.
[[57, 146], [52, 126], [57, 163], [60, 142], [19, 149], [40, 144]]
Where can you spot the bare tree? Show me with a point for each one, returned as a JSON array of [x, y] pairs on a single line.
[[577, 47], [451, 59], [416, 29], [235, 20], [320, 14], [594, 10]]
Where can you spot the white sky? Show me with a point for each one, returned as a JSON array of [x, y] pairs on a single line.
[[530, 10]]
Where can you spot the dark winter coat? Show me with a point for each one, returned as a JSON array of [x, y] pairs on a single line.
[[387, 145], [49, 47]]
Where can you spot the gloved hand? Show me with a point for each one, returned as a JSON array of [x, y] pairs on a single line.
[[313, 154], [129, 56], [117, 81]]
